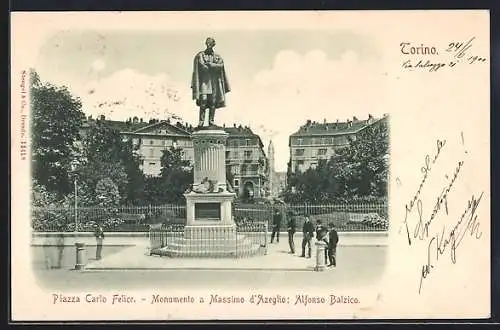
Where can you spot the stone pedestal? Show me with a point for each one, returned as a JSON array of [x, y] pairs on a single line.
[[80, 256], [210, 157], [320, 256]]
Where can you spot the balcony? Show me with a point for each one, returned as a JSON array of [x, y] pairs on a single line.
[[249, 173]]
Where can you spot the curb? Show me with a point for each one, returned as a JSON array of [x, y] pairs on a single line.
[[199, 269]]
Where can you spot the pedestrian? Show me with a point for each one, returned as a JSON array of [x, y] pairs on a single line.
[[333, 239], [48, 246], [99, 236], [276, 225], [291, 231], [60, 249], [308, 233]]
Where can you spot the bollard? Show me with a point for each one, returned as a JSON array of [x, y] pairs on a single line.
[[80, 256], [320, 256]]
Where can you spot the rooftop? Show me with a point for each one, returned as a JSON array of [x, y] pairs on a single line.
[[134, 124], [336, 128]]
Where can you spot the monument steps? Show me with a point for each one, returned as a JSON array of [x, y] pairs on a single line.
[[183, 249]]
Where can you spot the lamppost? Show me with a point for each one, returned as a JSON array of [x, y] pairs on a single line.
[[74, 164]]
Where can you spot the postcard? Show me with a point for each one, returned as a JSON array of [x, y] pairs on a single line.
[[250, 165]]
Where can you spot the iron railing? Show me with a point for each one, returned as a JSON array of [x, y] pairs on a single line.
[[172, 240], [355, 216]]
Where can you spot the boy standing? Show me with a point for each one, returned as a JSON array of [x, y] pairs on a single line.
[[333, 239]]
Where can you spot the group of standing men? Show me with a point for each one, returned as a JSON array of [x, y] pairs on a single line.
[[326, 234]]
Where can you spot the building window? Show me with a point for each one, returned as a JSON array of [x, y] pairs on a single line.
[[300, 142], [236, 182], [151, 152], [151, 142], [299, 152], [228, 154], [321, 152], [323, 141], [247, 142], [248, 153], [152, 164]]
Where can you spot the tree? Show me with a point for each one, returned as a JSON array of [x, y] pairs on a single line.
[[359, 170], [108, 155], [176, 174], [175, 177], [107, 194], [364, 165], [56, 122]]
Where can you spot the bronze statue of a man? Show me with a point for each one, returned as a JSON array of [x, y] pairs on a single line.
[[209, 82]]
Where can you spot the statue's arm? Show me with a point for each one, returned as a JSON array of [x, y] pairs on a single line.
[[218, 63], [202, 62]]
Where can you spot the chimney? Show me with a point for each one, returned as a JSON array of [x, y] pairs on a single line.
[[234, 125], [370, 118], [324, 121], [354, 119]]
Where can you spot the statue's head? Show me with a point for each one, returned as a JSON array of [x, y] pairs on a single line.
[[210, 42]]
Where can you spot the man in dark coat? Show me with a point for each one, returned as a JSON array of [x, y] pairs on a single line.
[[308, 232], [60, 249], [99, 236], [209, 82], [291, 231], [276, 225], [333, 239]]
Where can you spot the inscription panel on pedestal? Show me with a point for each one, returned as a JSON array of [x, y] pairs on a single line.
[[207, 211]]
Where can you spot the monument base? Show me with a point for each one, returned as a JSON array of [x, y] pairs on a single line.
[[216, 232], [213, 241]]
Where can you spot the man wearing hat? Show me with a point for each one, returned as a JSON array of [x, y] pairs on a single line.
[[209, 82]]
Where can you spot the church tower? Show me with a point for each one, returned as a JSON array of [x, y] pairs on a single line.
[[272, 173]]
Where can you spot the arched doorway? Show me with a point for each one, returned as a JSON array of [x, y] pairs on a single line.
[[248, 190]]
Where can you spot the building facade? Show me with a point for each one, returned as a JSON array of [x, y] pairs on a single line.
[[315, 141], [245, 157], [247, 161]]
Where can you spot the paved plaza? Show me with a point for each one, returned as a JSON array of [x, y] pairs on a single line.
[[130, 267]]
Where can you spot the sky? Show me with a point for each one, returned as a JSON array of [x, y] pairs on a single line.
[[279, 78]]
